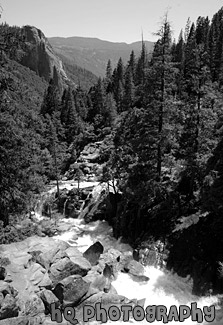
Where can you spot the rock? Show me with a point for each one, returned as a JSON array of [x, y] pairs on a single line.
[[1, 298], [40, 57], [139, 278], [2, 273], [35, 274], [65, 267], [135, 255], [45, 259], [6, 288], [72, 291], [8, 278], [106, 299], [48, 321], [20, 320], [34, 255], [101, 283], [134, 268], [93, 253], [9, 307], [73, 252], [45, 282], [59, 255], [48, 298], [112, 259], [33, 306]]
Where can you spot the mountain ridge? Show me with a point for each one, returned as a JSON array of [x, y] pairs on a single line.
[[93, 53]]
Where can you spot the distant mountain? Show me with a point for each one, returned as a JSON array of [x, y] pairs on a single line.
[[79, 76], [93, 54]]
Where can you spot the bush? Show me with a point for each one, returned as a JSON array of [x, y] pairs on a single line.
[[11, 233]]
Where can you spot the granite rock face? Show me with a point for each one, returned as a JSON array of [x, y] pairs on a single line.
[[39, 56]]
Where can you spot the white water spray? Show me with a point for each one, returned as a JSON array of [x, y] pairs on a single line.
[[163, 288]]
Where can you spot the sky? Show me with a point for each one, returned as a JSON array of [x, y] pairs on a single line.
[[111, 20]]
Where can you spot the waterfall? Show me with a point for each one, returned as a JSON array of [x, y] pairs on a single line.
[[64, 207]]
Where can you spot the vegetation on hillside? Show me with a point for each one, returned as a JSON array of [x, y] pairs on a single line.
[[163, 116]]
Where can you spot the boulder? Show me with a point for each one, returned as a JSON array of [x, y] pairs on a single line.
[[93, 253], [6, 288], [112, 259], [73, 252], [134, 268], [32, 306], [2, 273], [47, 258], [65, 267], [70, 291], [48, 298], [139, 278], [45, 282], [107, 300], [9, 307], [35, 274], [101, 283]]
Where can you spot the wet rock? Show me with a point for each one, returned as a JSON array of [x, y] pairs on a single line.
[[139, 278], [2, 273], [135, 255], [92, 254], [134, 268], [101, 283]]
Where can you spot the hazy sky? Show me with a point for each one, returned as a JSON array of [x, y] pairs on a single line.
[[112, 20]]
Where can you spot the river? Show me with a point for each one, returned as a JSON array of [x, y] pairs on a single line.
[[163, 288]]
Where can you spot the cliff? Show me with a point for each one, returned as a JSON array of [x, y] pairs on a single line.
[[40, 57]]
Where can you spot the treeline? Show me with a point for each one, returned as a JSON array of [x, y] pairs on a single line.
[[163, 115], [171, 108], [167, 153]]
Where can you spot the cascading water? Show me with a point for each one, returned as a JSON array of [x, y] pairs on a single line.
[[64, 208], [163, 288]]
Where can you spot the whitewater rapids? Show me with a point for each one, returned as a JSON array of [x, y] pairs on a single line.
[[163, 288]]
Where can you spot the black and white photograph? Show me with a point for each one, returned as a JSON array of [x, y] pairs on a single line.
[[111, 162]]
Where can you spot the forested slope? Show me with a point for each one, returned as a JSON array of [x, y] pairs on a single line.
[[161, 117]]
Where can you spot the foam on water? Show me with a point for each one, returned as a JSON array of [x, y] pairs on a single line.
[[163, 288]]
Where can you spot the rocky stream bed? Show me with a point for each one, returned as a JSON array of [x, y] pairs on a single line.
[[81, 265]]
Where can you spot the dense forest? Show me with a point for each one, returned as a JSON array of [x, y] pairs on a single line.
[[161, 116]]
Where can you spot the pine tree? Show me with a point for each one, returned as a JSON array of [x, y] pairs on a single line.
[[129, 89], [132, 65], [160, 80], [51, 99], [118, 84]]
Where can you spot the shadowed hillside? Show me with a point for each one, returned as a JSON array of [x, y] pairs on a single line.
[[93, 54]]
